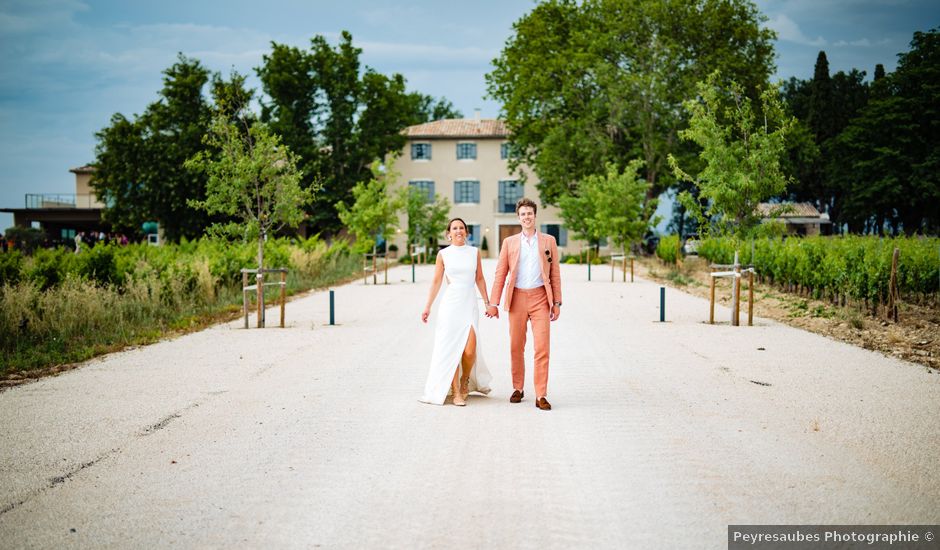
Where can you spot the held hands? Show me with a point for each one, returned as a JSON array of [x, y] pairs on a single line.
[[492, 311]]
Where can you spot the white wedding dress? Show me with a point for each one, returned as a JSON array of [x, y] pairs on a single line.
[[457, 313]]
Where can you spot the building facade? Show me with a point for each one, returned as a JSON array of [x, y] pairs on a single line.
[[798, 218], [467, 161], [61, 216]]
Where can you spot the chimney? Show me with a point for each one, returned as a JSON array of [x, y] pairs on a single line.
[[476, 114]]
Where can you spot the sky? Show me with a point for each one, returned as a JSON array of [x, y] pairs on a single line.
[[66, 66]]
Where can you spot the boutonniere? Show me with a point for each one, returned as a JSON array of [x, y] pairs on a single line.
[[548, 255]]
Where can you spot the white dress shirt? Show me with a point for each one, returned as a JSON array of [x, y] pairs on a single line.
[[529, 272]]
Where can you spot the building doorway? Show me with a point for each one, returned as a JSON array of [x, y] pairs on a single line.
[[508, 231]]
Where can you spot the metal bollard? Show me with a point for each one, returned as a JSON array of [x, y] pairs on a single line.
[[662, 304], [412, 270], [332, 316]]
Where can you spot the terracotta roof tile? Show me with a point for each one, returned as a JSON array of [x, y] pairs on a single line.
[[87, 169], [459, 128]]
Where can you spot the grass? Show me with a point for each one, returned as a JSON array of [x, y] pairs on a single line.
[[78, 319], [677, 278]]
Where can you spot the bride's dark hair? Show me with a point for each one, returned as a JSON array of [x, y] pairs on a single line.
[[456, 220]]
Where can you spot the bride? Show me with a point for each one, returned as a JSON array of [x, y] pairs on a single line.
[[456, 362]]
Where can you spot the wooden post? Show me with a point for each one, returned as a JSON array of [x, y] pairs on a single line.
[[259, 281], [611, 268], [623, 266], [711, 307], [283, 294], [631, 269], [750, 298], [893, 294], [245, 295], [386, 268], [365, 272], [678, 251], [375, 276]]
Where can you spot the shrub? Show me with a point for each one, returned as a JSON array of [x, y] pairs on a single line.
[[98, 264], [667, 247], [57, 306], [11, 264], [855, 266]]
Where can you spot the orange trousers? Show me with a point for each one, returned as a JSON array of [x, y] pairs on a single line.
[[529, 305]]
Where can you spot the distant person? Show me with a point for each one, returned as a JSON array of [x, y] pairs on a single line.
[[3, 243], [79, 237], [456, 363]]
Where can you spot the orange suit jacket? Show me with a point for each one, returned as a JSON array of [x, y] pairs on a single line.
[[509, 261]]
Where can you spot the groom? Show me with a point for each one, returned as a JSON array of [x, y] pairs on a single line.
[[533, 295]]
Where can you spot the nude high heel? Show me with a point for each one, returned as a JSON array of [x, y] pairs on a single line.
[[459, 398]]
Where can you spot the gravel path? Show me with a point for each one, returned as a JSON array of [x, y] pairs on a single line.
[[662, 434]]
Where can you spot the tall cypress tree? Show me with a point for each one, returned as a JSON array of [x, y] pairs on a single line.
[[819, 116], [819, 122]]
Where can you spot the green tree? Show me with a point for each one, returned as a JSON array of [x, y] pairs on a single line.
[[824, 106], [374, 213], [624, 214], [741, 150], [413, 202], [819, 114], [140, 173], [610, 205], [336, 116], [426, 109], [580, 214], [435, 219], [426, 217], [588, 83], [889, 155], [252, 178]]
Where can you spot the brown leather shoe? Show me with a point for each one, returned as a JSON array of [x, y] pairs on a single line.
[[543, 404], [516, 396]]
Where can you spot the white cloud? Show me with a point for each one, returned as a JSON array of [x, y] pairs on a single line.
[[788, 30], [861, 43], [25, 16]]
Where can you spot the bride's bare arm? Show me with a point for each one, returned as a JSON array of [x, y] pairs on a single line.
[[481, 286], [435, 287]]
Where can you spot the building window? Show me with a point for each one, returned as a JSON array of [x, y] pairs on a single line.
[[473, 234], [420, 151], [556, 230], [466, 151], [467, 191], [507, 151], [510, 191], [426, 186]]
